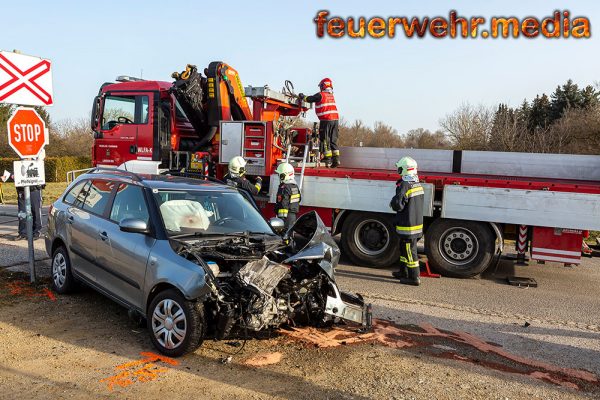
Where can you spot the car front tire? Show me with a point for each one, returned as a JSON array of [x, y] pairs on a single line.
[[176, 325]]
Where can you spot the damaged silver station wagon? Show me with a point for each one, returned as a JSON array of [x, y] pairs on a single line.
[[194, 258]]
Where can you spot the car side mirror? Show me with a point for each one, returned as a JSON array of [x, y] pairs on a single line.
[[133, 225], [277, 224]]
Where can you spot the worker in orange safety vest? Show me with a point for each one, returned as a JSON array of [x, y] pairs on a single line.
[[327, 113]]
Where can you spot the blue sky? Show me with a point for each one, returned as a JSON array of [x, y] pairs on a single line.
[[407, 83]]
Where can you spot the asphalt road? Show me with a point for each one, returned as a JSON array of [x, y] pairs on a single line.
[[567, 294], [557, 322]]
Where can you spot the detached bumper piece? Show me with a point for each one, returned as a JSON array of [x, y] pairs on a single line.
[[349, 307]]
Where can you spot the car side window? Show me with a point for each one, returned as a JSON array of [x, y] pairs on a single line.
[[98, 194], [129, 203], [72, 194]]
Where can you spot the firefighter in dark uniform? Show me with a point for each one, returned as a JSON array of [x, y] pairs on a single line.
[[327, 113], [288, 195], [35, 196], [235, 177], [408, 204]]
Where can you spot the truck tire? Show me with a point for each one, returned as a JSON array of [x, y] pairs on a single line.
[[369, 239], [459, 249]]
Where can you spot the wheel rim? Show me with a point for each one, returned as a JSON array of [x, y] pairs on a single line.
[[371, 237], [59, 270], [169, 324], [458, 246]]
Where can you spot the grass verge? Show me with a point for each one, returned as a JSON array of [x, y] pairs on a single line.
[[49, 195]]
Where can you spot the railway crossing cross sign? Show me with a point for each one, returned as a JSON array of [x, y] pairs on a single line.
[[27, 133], [25, 80]]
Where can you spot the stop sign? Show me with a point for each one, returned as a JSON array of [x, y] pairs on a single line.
[[27, 133]]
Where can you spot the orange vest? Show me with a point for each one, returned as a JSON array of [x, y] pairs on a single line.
[[326, 109]]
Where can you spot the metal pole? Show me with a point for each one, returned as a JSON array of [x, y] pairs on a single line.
[[29, 221]]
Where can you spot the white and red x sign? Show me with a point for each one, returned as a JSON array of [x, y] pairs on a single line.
[[25, 80]]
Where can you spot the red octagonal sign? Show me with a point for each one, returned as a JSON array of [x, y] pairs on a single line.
[[27, 133]]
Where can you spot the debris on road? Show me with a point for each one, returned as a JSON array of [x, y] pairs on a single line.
[[226, 360], [261, 360]]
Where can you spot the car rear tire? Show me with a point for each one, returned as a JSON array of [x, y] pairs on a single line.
[[459, 249], [176, 325], [62, 278], [369, 239]]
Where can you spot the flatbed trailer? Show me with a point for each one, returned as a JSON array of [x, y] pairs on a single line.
[[545, 202]]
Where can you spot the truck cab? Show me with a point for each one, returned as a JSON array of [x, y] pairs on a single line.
[[138, 120]]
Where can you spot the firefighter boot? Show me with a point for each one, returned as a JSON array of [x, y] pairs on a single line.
[[413, 277], [327, 161], [402, 273], [336, 162]]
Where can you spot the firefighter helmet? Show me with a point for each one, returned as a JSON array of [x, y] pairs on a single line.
[[407, 166], [285, 171], [325, 84], [237, 166]]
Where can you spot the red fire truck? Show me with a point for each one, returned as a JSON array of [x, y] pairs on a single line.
[[474, 200]]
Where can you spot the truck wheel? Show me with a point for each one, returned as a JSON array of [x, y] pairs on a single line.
[[459, 249], [369, 239]]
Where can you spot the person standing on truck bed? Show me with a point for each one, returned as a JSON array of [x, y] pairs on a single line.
[[288, 195], [408, 204], [327, 113], [235, 177]]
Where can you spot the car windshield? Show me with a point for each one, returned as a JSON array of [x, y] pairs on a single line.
[[208, 213]]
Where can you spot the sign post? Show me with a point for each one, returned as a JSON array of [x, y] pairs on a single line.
[[27, 80], [27, 135]]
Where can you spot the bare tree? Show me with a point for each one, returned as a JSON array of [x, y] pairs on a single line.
[[70, 138], [576, 132], [507, 131], [424, 139], [469, 127], [385, 136]]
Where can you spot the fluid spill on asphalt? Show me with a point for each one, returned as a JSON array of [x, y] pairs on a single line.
[[25, 289], [461, 346], [145, 369]]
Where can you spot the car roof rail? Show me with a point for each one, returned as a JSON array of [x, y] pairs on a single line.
[[131, 174], [196, 175]]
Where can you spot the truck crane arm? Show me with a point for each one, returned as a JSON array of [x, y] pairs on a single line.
[[226, 95], [208, 100]]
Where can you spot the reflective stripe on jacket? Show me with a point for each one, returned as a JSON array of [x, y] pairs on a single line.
[[408, 204], [288, 199], [326, 108]]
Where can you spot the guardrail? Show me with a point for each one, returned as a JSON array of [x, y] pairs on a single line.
[[71, 175]]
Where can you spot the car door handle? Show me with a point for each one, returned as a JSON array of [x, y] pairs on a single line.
[[70, 219], [103, 235]]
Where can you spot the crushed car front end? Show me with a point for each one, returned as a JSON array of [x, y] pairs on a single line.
[[260, 282]]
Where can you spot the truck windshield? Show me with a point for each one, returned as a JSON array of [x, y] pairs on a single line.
[[208, 213]]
